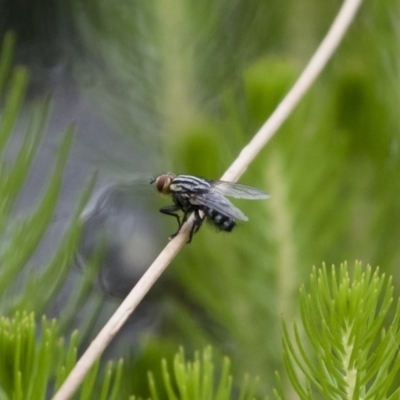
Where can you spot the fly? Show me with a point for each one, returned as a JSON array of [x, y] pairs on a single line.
[[192, 194]]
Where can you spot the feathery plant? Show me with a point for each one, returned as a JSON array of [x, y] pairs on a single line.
[[23, 286], [347, 349], [195, 380], [35, 360]]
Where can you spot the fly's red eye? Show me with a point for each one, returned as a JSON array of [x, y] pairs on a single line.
[[162, 183]]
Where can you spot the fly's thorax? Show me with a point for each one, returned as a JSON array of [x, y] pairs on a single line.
[[188, 183], [163, 182], [183, 201]]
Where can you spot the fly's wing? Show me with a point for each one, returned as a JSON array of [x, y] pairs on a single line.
[[238, 191], [219, 203]]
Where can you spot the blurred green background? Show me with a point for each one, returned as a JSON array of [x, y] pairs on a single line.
[[183, 85]]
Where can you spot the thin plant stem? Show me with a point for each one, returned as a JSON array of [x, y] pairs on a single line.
[[311, 72]]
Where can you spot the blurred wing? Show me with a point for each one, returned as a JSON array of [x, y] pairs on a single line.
[[238, 191], [219, 203]]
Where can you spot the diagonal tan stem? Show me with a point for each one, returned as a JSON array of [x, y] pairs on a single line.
[[239, 166]]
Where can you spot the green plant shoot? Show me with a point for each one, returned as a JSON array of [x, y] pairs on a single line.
[[348, 349]]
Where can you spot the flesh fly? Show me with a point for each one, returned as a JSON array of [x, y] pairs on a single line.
[[191, 194]]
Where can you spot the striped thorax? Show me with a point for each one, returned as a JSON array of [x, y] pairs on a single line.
[[188, 183]]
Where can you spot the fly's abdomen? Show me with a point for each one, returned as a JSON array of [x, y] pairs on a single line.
[[219, 220]]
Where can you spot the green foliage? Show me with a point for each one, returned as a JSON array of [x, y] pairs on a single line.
[[21, 286], [34, 361], [347, 350], [29, 367], [276, 83], [195, 380]]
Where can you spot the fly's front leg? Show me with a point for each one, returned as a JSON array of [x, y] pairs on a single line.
[[184, 218], [170, 210]]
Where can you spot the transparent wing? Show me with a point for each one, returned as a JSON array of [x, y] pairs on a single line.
[[238, 191], [218, 203]]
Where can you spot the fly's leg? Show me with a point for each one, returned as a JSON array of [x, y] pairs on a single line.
[[198, 221], [170, 210], [196, 225], [184, 218]]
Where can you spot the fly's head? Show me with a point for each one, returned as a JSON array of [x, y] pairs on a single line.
[[163, 182]]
